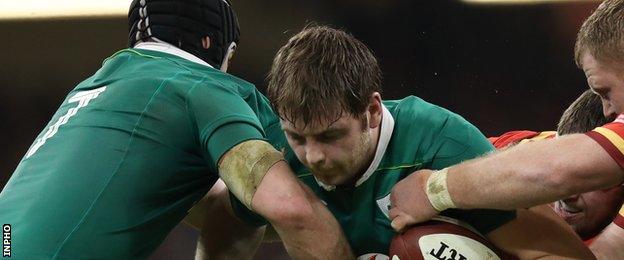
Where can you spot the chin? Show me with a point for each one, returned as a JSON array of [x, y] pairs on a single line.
[[333, 182]]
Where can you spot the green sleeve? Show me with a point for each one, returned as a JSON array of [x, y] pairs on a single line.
[[460, 141], [245, 214], [223, 119]]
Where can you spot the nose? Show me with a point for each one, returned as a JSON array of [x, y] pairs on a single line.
[[314, 154], [607, 108]]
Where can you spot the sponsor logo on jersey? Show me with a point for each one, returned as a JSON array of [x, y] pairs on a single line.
[[384, 205]]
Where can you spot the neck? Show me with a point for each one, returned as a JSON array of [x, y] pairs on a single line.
[[370, 155]]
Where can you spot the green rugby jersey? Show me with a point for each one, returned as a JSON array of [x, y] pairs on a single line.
[[414, 135], [128, 152]]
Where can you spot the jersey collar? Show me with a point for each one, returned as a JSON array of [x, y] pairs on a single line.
[[165, 47], [387, 126]]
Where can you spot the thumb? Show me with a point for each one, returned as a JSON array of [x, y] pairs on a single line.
[[401, 221]]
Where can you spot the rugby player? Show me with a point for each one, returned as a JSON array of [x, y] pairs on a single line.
[[134, 146], [542, 172], [350, 148], [590, 212]]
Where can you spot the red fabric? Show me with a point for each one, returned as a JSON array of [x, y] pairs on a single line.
[[619, 220], [618, 128], [588, 241], [512, 137]]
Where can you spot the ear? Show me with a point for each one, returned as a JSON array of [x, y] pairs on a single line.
[[375, 110]]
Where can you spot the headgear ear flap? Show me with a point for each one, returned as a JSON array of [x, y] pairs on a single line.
[[184, 23]]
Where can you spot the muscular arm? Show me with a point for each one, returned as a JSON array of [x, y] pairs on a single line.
[[523, 176], [539, 233], [305, 225], [533, 174], [307, 228]]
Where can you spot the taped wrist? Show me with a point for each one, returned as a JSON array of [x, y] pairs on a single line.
[[244, 166], [437, 191]]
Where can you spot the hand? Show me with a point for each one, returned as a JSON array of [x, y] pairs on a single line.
[[409, 202]]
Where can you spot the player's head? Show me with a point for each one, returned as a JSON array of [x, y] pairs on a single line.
[[583, 115], [599, 51], [588, 213], [325, 85], [207, 29]]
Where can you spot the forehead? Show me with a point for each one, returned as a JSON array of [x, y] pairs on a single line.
[[591, 65], [344, 122]]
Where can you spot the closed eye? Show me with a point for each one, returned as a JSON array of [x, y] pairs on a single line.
[[326, 138], [296, 138]]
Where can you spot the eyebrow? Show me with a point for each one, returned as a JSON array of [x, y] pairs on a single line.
[[329, 130], [332, 131]]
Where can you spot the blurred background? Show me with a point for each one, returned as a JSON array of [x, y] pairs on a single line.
[[501, 66]]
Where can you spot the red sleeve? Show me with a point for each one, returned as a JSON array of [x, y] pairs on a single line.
[[610, 137], [512, 137]]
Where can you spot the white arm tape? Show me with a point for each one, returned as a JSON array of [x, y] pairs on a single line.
[[437, 191]]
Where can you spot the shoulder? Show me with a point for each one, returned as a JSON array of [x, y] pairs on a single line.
[[611, 134], [416, 115], [155, 60], [616, 127], [434, 134]]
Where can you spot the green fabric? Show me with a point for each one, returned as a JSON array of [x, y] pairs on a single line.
[[425, 136], [122, 170]]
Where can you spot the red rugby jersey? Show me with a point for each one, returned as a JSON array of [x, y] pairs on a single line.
[[611, 138], [514, 137]]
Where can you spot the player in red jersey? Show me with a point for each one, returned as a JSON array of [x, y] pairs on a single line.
[[516, 137], [541, 172], [590, 212]]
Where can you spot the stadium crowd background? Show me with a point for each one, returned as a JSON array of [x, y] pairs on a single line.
[[502, 67]]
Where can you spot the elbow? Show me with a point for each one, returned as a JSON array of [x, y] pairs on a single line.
[[294, 213]]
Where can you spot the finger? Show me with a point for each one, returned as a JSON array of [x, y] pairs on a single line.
[[394, 212], [397, 224], [401, 221]]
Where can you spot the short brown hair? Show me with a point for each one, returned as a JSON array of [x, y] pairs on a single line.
[[320, 74], [583, 115], [602, 34]]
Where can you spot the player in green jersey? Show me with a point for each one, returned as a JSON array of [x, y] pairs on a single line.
[[351, 148], [134, 146]]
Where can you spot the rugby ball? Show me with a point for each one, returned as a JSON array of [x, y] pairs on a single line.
[[443, 239]]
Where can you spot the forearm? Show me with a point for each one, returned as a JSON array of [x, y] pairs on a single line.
[[532, 174], [307, 228], [609, 243], [259, 177]]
